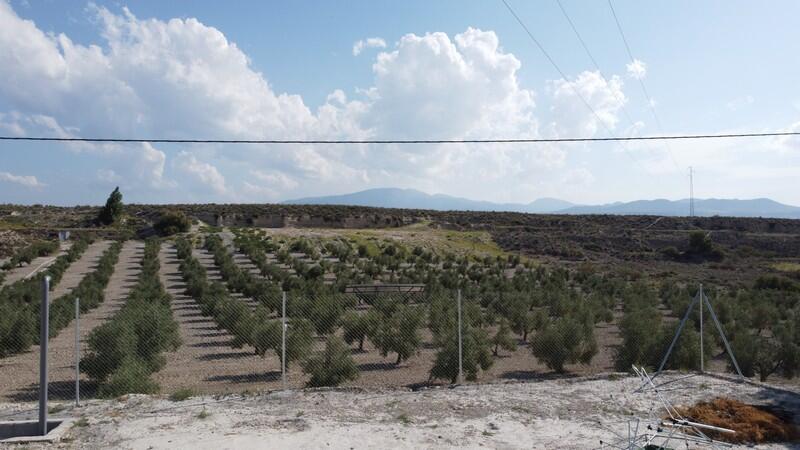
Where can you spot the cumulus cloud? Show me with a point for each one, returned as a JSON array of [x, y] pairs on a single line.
[[571, 116], [180, 78], [373, 42], [205, 173], [636, 69], [28, 181], [275, 179]]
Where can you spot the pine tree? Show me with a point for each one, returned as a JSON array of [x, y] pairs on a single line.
[[112, 211]]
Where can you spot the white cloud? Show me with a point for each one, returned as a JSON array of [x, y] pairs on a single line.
[[29, 181], [572, 117], [636, 69], [108, 176], [180, 78], [274, 178], [788, 145], [581, 177], [740, 102], [373, 42], [205, 173]]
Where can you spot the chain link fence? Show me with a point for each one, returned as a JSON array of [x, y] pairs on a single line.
[[204, 316]]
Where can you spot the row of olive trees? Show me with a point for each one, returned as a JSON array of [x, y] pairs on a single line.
[[259, 328], [20, 302], [564, 328], [29, 253], [129, 347]]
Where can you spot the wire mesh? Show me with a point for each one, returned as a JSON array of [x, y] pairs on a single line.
[[224, 314]]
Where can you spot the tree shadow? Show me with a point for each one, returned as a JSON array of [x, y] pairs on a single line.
[[57, 390], [373, 367], [225, 344], [263, 377], [531, 375], [223, 356]]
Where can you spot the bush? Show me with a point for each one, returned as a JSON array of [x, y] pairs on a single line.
[[503, 338], [333, 366], [476, 354], [396, 330], [172, 222], [356, 327], [131, 377], [757, 354], [701, 246], [564, 340]]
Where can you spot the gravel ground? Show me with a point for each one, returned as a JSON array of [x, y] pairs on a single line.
[[563, 413]]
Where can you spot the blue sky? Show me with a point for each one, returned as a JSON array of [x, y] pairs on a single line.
[[427, 69]]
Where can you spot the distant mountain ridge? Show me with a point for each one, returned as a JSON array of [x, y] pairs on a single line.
[[414, 199]]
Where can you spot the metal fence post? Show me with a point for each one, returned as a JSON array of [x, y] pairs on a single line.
[[44, 334], [702, 307], [460, 344], [77, 351], [283, 338]]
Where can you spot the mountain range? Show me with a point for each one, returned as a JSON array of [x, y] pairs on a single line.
[[414, 199]]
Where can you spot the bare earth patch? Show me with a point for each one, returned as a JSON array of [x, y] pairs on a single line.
[[562, 413]]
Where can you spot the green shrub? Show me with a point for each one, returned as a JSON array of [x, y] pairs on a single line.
[[131, 377], [333, 366], [765, 356], [476, 354], [172, 222], [356, 327], [503, 338], [397, 330], [564, 341]]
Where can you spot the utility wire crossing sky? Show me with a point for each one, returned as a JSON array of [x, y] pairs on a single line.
[[432, 95], [401, 141]]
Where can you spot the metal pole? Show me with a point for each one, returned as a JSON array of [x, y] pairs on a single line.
[[702, 356], [724, 339], [44, 334], [677, 334], [460, 345], [283, 338], [77, 351]]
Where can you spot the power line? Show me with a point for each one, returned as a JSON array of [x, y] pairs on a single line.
[[402, 141], [641, 83], [564, 77], [591, 56]]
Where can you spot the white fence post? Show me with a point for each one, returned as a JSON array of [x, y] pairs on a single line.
[[44, 335], [77, 352], [283, 338], [460, 344]]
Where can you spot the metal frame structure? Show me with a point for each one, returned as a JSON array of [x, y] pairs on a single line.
[[700, 297]]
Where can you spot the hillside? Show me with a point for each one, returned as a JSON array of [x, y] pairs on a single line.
[[414, 199]]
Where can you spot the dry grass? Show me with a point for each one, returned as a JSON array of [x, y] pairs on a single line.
[[753, 424], [787, 267]]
